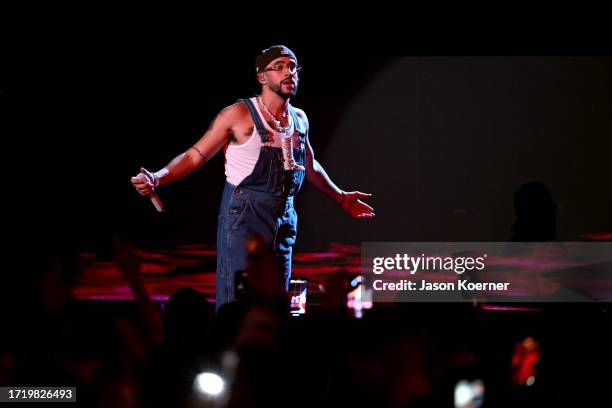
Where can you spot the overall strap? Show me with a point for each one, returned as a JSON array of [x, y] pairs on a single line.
[[299, 126]]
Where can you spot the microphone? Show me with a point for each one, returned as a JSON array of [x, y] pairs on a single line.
[[157, 202], [153, 180]]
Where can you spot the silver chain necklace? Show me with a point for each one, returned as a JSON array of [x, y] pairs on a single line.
[[279, 127]]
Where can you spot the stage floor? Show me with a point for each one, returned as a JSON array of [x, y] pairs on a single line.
[[166, 271], [193, 266]]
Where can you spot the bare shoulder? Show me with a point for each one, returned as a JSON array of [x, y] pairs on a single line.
[[234, 113]]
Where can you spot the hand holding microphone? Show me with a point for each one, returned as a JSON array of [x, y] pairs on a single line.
[[146, 183]]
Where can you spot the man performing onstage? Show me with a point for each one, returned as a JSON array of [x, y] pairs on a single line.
[[267, 156]]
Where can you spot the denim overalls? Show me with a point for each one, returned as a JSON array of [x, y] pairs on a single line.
[[261, 204]]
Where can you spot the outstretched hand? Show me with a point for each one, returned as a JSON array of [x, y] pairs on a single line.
[[355, 207]]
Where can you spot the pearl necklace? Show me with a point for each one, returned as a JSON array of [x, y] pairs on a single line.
[[279, 127]]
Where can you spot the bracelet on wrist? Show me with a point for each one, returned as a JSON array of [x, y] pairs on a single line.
[[155, 181]]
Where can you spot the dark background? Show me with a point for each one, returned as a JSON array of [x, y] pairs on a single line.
[[442, 142]]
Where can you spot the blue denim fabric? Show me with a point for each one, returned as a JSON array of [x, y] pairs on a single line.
[[261, 204]]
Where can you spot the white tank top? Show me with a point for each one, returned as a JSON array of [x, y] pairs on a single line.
[[240, 159]]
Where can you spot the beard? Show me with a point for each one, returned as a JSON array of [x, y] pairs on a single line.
[[278, 89]]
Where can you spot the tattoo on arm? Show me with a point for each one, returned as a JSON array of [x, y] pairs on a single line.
[[199, 152]]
